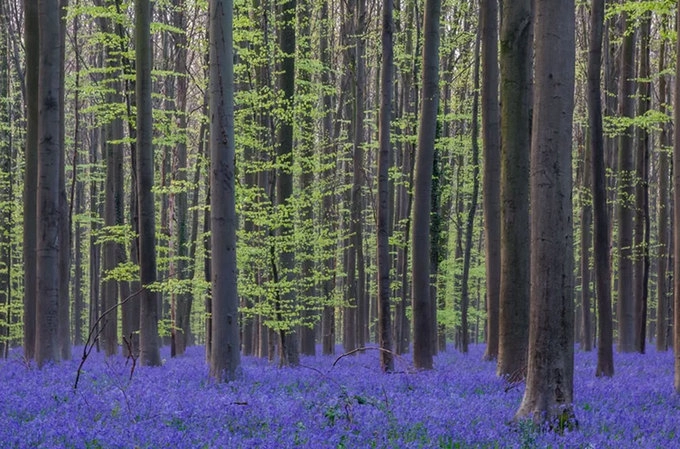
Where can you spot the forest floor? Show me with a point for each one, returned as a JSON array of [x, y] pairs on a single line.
[[327, 402]]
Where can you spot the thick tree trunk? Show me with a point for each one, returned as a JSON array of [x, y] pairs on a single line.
[[48, 194], [225, 357], [549, 390], [492, 171], [422, 186], [516, 68], [148, 338]]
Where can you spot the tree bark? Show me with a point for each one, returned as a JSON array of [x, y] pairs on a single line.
[[32, 55], [225, 357], [422, 186], [48, 217], [626, 193], [492, 171], [515, 72], [676, 214], [549, 389], [384, 212], [148, 338]]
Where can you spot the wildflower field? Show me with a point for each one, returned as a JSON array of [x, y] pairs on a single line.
[[327, 402]]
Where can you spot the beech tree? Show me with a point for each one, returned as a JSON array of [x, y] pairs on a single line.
[[225, 357], [550, 370], [420, 235], [605, 357], [515, 71], [148, 337]]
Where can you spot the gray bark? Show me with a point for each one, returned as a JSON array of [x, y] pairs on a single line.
[[515, 72], [148, 338], [492, 171], [549, 388], [48, 194], [422, 187], [225, 356]]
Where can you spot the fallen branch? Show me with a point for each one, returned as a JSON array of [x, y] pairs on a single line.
[[96, 331]]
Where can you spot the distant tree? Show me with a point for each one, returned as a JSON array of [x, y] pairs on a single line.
[[491, 149], [422, 186], [148, 338], [515, 71], [48, 200], [549, 387], [605, 357], [663, 206], [225, 357], [384, 212], [626, 190], [676, 213]]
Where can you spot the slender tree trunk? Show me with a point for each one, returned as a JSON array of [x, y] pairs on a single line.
[[641, 243], [662, 218], [384, 212], [586, 239], [550, 373], [470, 222], [148, 341], [422, 185], [492, 171], [626, 193], [516, 69]]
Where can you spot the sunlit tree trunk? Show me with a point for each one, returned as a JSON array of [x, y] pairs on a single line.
[[549, 387], [676, 214]]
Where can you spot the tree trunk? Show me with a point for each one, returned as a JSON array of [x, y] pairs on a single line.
[[492, 171], [384, 212], [148, 338], [48, 194], [550, 372], [422, 186], [641, 243], [516, 69], [225, 357], [662, 218], [676, 214], [626, 192], [586, 239], [182, 302], [470, 222], [32, 55]]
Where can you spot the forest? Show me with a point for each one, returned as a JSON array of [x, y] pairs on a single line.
[[339, 223]]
